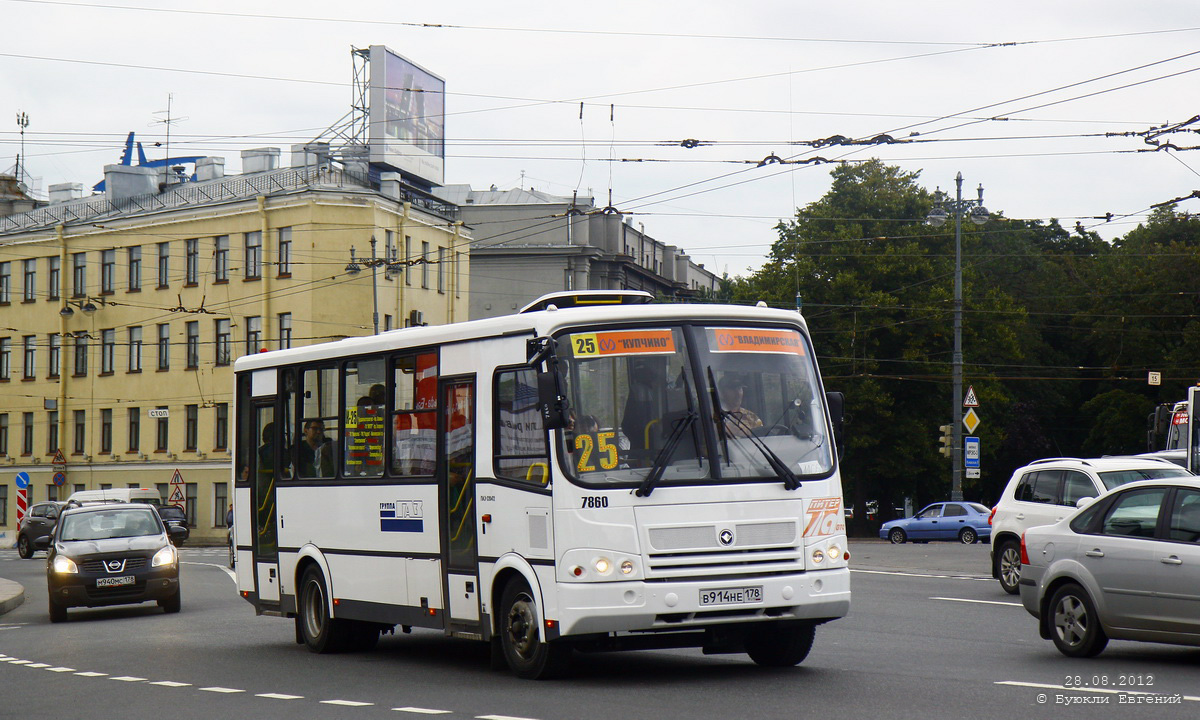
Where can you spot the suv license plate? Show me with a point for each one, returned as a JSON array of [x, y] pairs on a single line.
[[114, 581], [732, 596]]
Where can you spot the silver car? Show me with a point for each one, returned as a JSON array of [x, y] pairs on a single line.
[[1125, 567]]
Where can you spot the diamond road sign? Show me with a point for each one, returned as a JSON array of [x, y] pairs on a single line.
[[971, 420]]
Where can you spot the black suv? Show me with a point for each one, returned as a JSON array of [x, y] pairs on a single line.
[[38, 523], [174, 516], [111, 554]]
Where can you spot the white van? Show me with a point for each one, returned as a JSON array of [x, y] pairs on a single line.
[[128, 495]]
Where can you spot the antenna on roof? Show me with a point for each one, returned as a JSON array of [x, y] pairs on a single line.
[[168, 121]]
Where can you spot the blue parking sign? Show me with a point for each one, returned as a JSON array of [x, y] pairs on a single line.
[[971, 452], [22, 479]]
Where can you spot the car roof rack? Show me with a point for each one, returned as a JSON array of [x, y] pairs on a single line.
[[1059, 459]]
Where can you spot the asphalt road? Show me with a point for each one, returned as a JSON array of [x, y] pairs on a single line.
[[930, 635]]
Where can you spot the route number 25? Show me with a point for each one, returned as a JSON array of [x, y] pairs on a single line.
[[593, 448]]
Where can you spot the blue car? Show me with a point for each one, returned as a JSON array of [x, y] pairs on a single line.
[[965, 522]]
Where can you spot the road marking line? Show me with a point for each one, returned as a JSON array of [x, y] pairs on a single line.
[[422, 711], [1109, 691], [91, 674], [128, 678], [171, 683], [61, 669], [981, 602], [500, 717], [346, 703], [924, 575], [20, 662], [278, 696], [225, 690]]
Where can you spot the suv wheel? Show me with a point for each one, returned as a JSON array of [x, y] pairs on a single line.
[[24, 547], [1008, 567]]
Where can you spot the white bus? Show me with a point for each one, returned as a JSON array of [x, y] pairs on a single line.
[[593, 473]]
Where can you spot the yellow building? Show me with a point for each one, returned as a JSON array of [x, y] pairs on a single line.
[[121, 313]]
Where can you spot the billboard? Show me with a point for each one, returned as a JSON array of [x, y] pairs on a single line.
[[406, 118]]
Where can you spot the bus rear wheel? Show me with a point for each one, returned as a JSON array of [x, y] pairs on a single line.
[[527, 655], [320, 632], [780, 645]]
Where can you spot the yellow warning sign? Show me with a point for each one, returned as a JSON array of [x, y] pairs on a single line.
[[971, 420], [176, 497]]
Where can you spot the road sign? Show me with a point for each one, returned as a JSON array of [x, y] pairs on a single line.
[[22, 480], [971, 420], [60, 479], [970, 400], [59, 458], [22, 502], [971, 452], [972, 473], [1154, 379], [176, 497]]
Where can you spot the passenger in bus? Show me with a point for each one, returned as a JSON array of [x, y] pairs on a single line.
[[316, 451], [739, 421]]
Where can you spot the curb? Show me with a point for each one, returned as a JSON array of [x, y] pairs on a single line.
[[12, 594]]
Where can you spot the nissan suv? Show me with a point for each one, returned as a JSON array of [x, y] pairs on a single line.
[[1046, 491]]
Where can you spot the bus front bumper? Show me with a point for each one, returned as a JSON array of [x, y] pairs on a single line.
[[607, 607]]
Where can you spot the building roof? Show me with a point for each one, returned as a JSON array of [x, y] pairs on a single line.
[[463, 195]]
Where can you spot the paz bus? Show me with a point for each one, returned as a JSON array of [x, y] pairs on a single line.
[[595, 472]]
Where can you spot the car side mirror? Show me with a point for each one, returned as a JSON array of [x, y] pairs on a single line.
[[42, 543], [1083, 502], [176, 531]]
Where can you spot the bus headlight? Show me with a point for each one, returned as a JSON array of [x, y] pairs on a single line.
[[603, 566], [834, 552], [166, 556], [626, 567], [64, 564], [818, 556], [598, 565]]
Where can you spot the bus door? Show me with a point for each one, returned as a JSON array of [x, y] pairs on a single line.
[[262, 496], [456, 477]]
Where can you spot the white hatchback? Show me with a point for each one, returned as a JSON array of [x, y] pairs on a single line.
[[1046, 491]]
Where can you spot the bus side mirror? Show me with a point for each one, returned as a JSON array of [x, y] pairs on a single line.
[[837, 416], [551, 403]]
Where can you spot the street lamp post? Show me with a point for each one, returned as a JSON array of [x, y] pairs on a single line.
[[978, 214], [353, 268]]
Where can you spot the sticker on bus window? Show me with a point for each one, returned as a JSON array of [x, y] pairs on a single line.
[[622, 342], [744, 340]]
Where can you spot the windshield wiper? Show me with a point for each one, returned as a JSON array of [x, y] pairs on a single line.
[[790, 481], [664, 455]]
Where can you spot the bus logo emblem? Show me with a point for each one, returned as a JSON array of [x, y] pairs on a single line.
[[726, 537]]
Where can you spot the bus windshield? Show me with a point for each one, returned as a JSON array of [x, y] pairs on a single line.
[[692, 403]]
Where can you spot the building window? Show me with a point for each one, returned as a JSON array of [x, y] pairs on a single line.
[[425, 265], [135, 429], [223, 342], [285, 252], [81, 356], [191, 250], [189, 506], [54, 363], [162, 430], [253, 334], [30, 348], [254, 255], [79, 275], [29, 288], [135, 349], [79, 447], [164, 264], [285, 330], [221, 258], [5, 359], [108, 271], [52, 432], [407, 260], [108, 351], [5, 283], [3, 434], [220, 503], [53, 278], [191, 426], [106, 420], [135, 268], [4, 505], [27, 434], [164, 346], [193, 345], [221, 431]]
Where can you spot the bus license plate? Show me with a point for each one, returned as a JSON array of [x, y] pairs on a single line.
[[732, 596], [114, 581]]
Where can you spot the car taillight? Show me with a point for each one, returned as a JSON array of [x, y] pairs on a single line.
[[993, 514], [1024, 554]]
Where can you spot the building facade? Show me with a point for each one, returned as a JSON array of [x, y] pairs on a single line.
[[528, 243], [121, 314]]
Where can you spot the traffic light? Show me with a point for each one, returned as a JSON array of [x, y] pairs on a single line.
[[947, 439]]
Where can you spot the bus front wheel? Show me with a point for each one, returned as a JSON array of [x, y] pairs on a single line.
[[778, 645], [527, 655]]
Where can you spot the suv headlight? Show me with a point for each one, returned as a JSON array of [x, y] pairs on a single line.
[[64, 564], [166, 556]]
